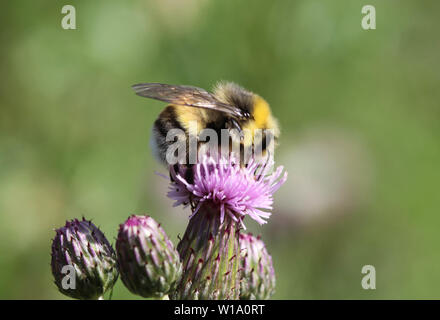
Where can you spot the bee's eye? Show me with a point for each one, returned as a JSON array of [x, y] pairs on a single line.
[[246, 115]]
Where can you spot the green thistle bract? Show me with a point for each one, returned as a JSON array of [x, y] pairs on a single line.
[[210, 257]]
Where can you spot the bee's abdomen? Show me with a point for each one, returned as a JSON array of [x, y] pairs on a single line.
[[168, 120]]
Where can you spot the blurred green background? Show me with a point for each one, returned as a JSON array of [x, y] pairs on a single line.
[[359, 112]]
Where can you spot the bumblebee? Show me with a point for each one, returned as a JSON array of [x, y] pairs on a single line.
[[228, 107]]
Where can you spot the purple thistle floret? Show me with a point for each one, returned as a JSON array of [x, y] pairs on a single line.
[[237, 191]]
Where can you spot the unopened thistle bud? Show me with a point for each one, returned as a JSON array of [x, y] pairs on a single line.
[[221, 194], [148, 262], [257, 273], [83, 261]]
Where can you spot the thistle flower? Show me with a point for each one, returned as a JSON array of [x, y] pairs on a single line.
[[83, 261], [148, 263], [221, 193], [237, 191], [257, 273]]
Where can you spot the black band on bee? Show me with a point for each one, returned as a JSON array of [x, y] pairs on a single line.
[[167, 121]]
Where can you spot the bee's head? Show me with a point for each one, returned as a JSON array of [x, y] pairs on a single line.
[[255, 108], [232, 94]]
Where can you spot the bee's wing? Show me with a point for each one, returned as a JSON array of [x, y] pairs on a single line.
[[186, 96]]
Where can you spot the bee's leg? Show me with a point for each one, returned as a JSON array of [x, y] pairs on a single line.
[[193, 207], [189, 173], [176, 170], [185, 171], [234, 124], [242, 159]]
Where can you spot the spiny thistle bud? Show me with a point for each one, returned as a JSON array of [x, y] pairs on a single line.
[[148, 263], [83, 261], [221, 194], [257, 273]]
